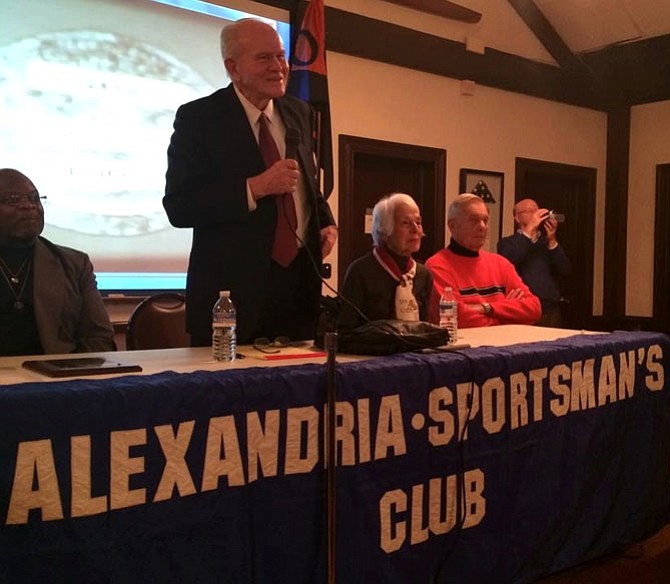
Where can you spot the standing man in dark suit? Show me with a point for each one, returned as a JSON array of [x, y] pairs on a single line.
[[49, 300], [221, 183]]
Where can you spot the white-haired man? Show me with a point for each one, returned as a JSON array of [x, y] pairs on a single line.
[[230, 180], [487, 288]]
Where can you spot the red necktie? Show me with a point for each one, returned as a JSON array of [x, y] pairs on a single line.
[[285, 247]]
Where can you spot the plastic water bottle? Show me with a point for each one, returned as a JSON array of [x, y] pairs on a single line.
[[449, 313], [224, 321]]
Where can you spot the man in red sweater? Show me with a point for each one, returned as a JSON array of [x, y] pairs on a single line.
[[487, 288]]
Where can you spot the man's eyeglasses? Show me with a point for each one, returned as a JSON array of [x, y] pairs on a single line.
[[265, 345], [16, 199]]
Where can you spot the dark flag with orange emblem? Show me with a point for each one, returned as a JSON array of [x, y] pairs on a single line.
[[308, 81]]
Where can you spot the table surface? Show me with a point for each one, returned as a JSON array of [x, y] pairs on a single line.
[[190, 359], [557, 440]]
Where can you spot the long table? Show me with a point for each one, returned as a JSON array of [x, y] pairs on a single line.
[[501, 463]]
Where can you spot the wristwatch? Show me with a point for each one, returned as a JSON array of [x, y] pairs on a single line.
[[487, 308]]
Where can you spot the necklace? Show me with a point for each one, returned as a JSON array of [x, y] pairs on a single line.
[[12, 280], [13, 277]]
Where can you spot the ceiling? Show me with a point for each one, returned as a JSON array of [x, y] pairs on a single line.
[[602, 54], [588, 25], [568, 29], [620, 48]]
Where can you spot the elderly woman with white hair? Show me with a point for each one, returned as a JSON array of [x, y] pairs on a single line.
[[388, 283]]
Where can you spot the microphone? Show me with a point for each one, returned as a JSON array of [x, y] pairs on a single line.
[[293, 137]]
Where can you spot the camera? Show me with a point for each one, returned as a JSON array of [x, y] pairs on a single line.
[[558, 217]]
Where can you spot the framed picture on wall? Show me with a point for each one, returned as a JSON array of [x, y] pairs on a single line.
[[489, 186]]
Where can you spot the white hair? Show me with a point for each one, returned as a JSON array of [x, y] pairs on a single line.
[[462, 202], [230, 36], [383, 215]]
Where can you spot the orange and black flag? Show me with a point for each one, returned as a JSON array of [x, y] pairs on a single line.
[[308, 81]]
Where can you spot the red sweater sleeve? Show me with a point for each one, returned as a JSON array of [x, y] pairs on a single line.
[[475, 280], [527, 310]]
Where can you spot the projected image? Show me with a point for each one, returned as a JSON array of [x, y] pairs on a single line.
[[88, 95], [98, 108]]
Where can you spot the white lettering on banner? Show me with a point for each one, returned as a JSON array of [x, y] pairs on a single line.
[[390, 428], [363, 410], [583, 394], [626, 374], [262, 444], [302, 440], [248, 447], [467, 397], [36, 484], [83, 503], [518, 400], [536, 378], [222, 440], [655, 381], [34, 464], [493, 405], [430, 513], [607, 386], [344, 434], [561, 406], [350, 438], [176, 472], [123, 466], [438, 401]]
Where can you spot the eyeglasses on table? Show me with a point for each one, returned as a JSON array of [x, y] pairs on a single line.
[[265, 345]]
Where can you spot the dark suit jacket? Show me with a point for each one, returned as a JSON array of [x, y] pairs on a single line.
[[69, 312], [539, 267], [212, 153]]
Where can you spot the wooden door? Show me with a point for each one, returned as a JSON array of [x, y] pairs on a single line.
[[370, 169], [662, 250], [570, 191]]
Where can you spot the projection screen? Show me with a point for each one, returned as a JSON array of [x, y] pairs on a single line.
[[88, 93]]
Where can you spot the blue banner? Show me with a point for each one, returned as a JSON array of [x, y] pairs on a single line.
[[496, 465]]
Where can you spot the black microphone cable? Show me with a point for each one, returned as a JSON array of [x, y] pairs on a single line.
[[292, 138], [460, 444]]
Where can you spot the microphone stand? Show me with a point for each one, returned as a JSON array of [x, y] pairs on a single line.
[[330, 343]]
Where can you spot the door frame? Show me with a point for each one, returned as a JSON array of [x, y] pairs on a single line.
[[434, 159], [586, 202], [661, 248]]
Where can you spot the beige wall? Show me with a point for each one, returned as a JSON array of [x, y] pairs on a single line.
[[490, 129], [487, 130], [500, 27], [649, 146]]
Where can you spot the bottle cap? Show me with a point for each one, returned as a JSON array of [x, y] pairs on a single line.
[[224, 293]]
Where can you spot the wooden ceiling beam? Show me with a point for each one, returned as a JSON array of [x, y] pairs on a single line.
[[442, 8], [646, 63], [546, 34], [352, 34]]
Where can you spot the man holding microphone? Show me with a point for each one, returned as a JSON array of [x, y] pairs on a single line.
[[241, 174]]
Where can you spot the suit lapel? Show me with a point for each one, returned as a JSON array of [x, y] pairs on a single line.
[[234, 122], [48, 292]]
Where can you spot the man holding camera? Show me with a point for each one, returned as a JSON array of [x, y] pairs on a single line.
[[538, 257]]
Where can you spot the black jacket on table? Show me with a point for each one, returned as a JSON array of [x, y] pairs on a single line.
[[212, 153]]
